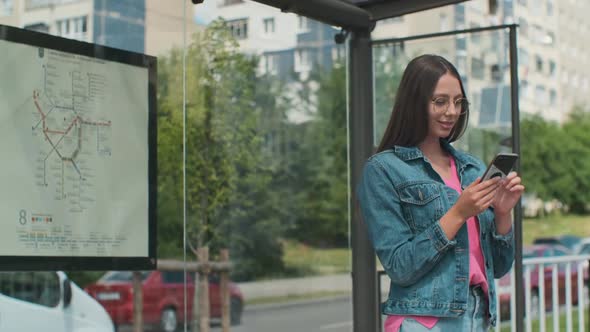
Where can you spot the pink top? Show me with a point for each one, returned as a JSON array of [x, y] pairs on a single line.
[[476, 262]]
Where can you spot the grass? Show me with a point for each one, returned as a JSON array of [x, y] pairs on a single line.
[[304, 260], [562, 322], [555, 225]]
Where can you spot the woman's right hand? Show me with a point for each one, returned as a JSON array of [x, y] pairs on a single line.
[[477, 197]]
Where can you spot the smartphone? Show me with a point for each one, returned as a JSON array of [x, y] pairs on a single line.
[[502, 164]]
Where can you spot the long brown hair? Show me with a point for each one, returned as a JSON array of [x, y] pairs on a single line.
[[408, 124]]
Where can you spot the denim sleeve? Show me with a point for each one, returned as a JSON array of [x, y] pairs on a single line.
[[406, 257], [502, 251]]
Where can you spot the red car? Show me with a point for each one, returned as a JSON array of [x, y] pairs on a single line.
[[163, 300], [537, 251]]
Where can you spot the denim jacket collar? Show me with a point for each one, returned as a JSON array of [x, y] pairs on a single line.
[[408, 153]]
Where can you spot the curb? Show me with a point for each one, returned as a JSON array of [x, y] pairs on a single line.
[[287, 304]]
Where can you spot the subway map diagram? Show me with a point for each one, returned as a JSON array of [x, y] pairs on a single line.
[[72, 138]]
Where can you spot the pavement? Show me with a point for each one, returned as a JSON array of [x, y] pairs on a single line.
[[296, 286], [300, 286]]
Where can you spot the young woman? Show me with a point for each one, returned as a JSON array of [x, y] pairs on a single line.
[[440, 233]]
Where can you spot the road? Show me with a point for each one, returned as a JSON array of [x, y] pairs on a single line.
[[329, 316]]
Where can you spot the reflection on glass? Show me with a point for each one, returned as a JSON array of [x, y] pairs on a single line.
[[486, 80], [266, 163]]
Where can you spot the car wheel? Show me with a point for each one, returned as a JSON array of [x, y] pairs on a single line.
[[168, 320], [236, 311]]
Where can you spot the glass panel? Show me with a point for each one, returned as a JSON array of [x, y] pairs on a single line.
[[44, 301], [265, 169], [267, 166], [485, 72]]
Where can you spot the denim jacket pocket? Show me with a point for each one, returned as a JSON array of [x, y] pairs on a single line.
[[421, 203]]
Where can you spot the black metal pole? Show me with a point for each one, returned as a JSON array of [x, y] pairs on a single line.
[[365, 301], [517, 210], [332, 12]]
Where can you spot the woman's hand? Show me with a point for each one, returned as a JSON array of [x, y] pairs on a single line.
[[476, 198], [508, 193]]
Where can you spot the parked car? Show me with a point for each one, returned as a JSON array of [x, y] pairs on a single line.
[[583, 247], [163, 298], [48, 301], [535, 251], [568, 241]]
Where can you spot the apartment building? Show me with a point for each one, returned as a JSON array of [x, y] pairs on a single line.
[[484, 58], [573, 47], [553, 67], [145, 26], [286, 43]]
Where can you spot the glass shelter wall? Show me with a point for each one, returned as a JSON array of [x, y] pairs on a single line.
[[483, 61], [251, 161], [484, 67]]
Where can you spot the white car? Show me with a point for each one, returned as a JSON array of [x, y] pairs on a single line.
[[48, 301]]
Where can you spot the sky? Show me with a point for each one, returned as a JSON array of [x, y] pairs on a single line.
[[205, 12]]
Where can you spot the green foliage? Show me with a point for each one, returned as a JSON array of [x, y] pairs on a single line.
[[228, 201], [321, 162], [388, 74], [556, 159]]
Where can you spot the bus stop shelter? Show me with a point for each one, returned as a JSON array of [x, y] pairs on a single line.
[[357, 18]]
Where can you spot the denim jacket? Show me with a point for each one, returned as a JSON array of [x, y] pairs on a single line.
[[402, 199]]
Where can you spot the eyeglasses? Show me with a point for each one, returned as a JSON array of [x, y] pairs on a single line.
[[442, 104]]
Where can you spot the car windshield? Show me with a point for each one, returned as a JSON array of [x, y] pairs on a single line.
[[528, 254], [123, 276], [570, 240]]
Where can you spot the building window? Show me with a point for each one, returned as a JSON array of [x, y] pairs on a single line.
[[338, 54], [477, 68], [39, 27], [552, 97], [303, 24], [552, 68], [540, 97], [475, 37], [269, 63], [6, 7], [397, 19], [550, 7], [524, 89], [231, 2], [269, 25], [302, 60], [73, 28], [522, 2], [238, 28], [549, 38], [538, 63]]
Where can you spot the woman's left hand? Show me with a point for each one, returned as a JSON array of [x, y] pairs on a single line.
[[508, 194]]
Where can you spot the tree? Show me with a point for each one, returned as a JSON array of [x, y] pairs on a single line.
[[228, 201], [324, 218], [556, 160]]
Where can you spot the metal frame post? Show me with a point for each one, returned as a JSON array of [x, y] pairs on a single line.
[[517, 227], [360, 123]]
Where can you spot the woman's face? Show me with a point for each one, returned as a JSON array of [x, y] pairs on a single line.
[[442, 112]]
